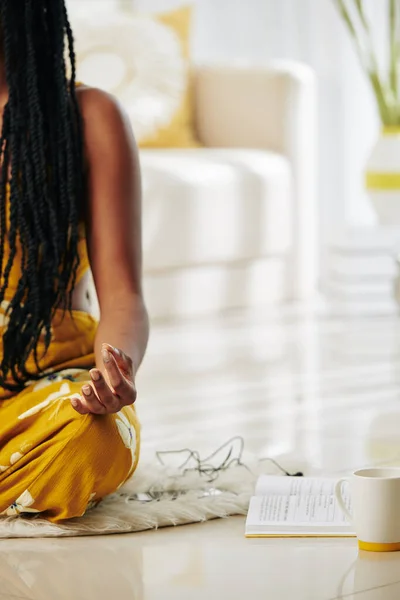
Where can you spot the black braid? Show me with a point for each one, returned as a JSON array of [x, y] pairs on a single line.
[[41, 147], [4, 149]]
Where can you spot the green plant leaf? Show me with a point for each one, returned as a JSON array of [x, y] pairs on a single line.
[[386, 90], [393, 47]]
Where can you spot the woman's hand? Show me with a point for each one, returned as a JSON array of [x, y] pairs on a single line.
[[106, 397]]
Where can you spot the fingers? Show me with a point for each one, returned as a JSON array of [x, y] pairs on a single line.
[[111, 403], [123, 388], [77, 405], [86, 404], [100, 397], [123, 360], [91, 401], [115, 376]]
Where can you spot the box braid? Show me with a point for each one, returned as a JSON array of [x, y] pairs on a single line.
[[42, 170]]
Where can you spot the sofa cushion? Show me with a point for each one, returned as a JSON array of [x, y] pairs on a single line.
[[214, 206]]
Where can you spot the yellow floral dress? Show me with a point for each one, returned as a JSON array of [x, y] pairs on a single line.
[[54, 461]]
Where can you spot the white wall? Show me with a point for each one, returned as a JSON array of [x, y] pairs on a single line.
[[90, 6]]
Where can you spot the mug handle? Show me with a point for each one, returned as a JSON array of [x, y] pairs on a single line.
[[339, 498]]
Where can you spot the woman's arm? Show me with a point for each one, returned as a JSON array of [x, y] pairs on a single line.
[[114, 233]]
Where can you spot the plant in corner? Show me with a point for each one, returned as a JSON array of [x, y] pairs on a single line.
[[383, 167]]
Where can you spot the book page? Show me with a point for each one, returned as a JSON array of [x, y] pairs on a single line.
[[287, 486], [296, 509], [304, 510]]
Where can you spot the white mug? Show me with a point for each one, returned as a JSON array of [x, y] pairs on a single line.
[[375, 499]]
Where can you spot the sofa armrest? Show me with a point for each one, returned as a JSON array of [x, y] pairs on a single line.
[[271, 107]]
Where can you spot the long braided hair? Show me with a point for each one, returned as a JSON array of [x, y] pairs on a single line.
[[42, 171]]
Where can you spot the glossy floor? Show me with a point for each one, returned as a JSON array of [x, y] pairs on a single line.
[[320, 392]]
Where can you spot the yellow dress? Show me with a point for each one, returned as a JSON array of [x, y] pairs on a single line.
[[54, 461]]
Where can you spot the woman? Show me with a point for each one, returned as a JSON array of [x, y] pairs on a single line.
[[69, 202]]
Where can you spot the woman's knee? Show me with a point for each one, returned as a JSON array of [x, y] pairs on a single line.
[[110, 446]]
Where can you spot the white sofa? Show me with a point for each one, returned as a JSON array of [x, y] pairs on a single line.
[[232, 224]]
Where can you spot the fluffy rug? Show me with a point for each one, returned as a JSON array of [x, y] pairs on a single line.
[[163, 494]]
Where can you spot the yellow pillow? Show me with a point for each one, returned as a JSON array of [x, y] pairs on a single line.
[[180, 132]]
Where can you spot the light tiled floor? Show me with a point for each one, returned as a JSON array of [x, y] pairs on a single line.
[[316, 391]]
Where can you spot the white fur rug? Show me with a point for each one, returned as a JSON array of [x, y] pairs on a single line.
[[160, 496]]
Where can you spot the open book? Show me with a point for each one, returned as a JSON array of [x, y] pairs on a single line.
[[296, 507]]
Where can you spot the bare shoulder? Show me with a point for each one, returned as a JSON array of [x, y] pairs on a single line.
[[104, 119], [95, 103]]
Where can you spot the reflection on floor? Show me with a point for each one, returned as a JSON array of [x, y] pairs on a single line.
[[315, 390]]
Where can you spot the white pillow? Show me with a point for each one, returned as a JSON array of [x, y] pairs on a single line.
[[137, 59]]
